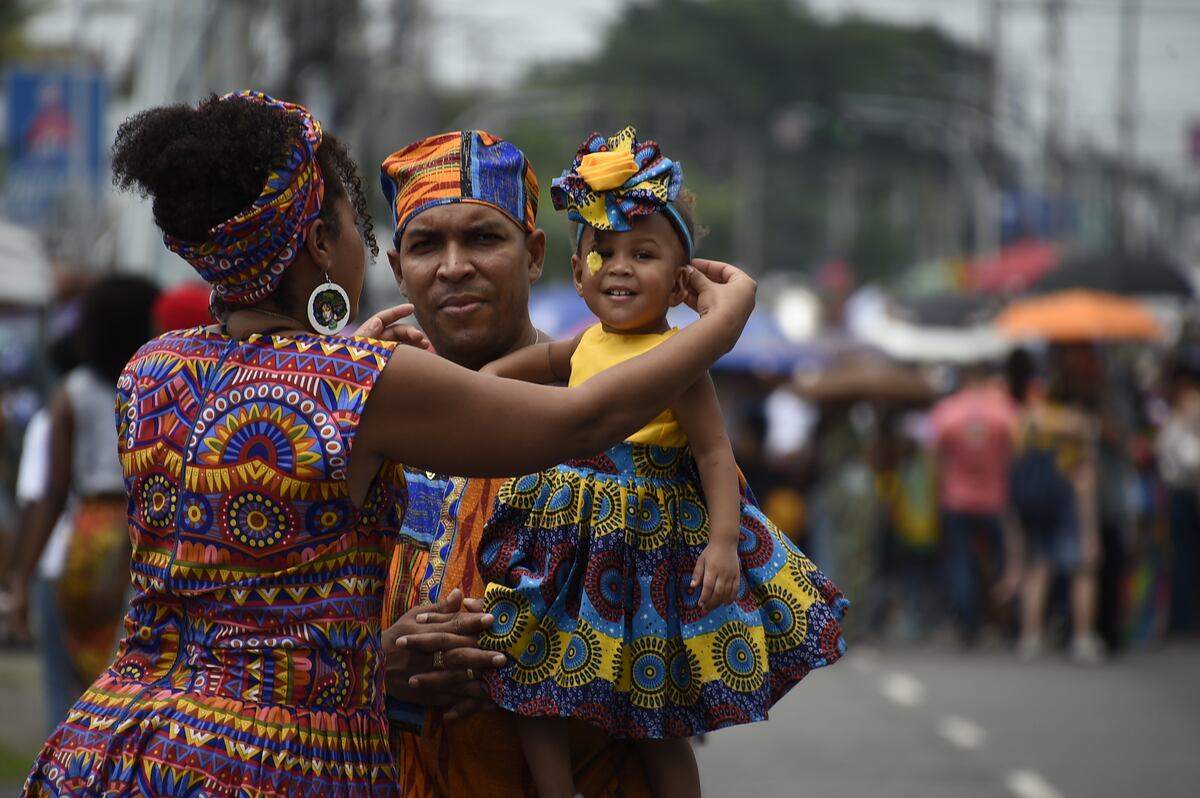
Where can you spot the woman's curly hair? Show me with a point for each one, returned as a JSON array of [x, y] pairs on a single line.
[[204, 165]]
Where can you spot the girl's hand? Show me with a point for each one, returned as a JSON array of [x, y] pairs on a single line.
[[719, 571], [721, 290], [383, 325]]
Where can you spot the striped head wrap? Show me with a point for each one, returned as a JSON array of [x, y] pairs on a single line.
[[462, 166], [244, 258], [614, 180]]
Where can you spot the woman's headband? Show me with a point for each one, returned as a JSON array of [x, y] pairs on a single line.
[[244, 258]]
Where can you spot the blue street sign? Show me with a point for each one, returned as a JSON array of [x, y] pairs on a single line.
[[55, 139]]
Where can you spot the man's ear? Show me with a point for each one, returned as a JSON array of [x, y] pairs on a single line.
[[397, 270], [680, 288], [535, 245], [577, 264]]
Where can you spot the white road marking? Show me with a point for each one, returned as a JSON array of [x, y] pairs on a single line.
[[961, 732], [902, 689], [1028, 784]]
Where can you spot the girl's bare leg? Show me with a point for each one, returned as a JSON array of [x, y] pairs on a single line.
[[670, 767], [547, 751]]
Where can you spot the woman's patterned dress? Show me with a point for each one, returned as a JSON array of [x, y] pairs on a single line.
[[251, 664]]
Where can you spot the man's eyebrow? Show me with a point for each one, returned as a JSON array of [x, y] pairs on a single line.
[[486, 226], [420, 232]]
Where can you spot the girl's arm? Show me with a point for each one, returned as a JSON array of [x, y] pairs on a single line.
[[540, 363], [718, 569], [431, 414]]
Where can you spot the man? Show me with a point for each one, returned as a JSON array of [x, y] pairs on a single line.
[[975, 432], [467, 251]]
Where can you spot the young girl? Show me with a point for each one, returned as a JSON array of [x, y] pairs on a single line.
[[641, 590]]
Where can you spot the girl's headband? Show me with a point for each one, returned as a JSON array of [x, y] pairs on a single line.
[[612, 181], [244, 258]]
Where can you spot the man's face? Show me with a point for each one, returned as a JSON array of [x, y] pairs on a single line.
[[467, 269]]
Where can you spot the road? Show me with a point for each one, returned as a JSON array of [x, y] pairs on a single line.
[[934, 723], [919, 723]]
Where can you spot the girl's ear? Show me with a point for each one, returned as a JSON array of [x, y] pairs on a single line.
[[577, 264], [680, 288]]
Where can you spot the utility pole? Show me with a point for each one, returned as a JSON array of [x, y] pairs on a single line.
[[986, 196], [1127, 80], [1056, 96]]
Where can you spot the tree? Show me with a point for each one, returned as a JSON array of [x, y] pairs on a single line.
[[763, 102]]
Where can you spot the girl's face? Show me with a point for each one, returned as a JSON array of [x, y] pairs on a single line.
[[641, 275]]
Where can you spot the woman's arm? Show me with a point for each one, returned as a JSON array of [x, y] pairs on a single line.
[[718, 569], [429, 413], [541, 363]]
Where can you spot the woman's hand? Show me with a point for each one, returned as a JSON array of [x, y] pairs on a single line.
[[717, 574], [384, 326], [721, 290], [431, 655]]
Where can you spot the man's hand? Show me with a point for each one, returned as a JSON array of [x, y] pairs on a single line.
[[384, 326], [719, 573], [432, 658]]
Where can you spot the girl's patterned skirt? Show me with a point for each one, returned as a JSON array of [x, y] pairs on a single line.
[[591, 564]]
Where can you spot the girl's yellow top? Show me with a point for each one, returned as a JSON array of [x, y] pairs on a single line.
[[599, 350]]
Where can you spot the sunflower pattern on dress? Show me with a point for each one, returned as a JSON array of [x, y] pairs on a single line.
[[251, 664]]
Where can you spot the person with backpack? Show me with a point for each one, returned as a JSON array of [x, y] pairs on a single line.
[[1053, 483]]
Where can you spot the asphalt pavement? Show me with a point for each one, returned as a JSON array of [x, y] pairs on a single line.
[[936, 722]]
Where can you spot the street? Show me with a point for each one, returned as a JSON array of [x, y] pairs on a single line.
[[934, 723], [927, 723]]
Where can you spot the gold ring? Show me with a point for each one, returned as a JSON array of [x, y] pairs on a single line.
[[439, 660], [470, 675]]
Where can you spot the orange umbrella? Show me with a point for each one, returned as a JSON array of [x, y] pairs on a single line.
[[1080, 315]]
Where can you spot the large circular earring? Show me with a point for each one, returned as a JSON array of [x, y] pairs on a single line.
[[328, 307]]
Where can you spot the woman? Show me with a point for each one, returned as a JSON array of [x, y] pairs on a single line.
[[262, 465]]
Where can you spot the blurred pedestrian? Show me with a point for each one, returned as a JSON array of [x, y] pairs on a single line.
[[1178, 449], [83, 464], [973, 431], [907, 485], [60, 687], [265, 491], [1054, 484]]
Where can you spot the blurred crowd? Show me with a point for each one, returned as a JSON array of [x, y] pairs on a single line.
[[1046, 502]]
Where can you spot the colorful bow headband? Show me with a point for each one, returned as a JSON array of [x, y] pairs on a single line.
[[612, 181], [244, 258]]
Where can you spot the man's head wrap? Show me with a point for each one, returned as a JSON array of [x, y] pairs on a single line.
[[244, 258], [470, 166], [612, 181]]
